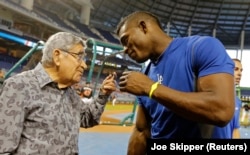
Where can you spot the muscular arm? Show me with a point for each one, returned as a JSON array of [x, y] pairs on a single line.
[[138, 139], [213, 103]]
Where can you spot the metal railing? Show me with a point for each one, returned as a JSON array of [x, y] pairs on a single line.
[[35, 48]]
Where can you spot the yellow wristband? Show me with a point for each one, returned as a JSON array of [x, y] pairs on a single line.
[[153, 87]]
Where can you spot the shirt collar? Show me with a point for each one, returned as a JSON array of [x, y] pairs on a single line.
[[41, 75]]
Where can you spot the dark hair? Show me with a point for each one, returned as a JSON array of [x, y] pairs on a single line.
[[137, 16]]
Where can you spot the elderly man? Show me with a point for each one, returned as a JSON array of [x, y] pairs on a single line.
[[40, 113]]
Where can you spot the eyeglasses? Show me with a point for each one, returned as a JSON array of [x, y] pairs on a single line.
[[78, 56]]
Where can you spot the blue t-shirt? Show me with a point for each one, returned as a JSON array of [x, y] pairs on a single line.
[[182, 62], [226, 132]]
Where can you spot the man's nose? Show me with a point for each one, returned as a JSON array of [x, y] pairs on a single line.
[[84, 65], [239, 73]]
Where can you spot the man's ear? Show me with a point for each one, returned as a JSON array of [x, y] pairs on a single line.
[[56, 57], [143, 26]]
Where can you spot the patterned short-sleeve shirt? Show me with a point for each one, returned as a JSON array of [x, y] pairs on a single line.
[[36, 117]]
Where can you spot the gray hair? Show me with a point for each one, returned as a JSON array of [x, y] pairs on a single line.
[[60, 40]]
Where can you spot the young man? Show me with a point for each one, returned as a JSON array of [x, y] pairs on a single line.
[[40, 113], [87, 93], [238, 104], [231, 130], [187, 88]]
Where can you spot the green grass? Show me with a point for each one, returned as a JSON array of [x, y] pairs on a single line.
[[109, 106]]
